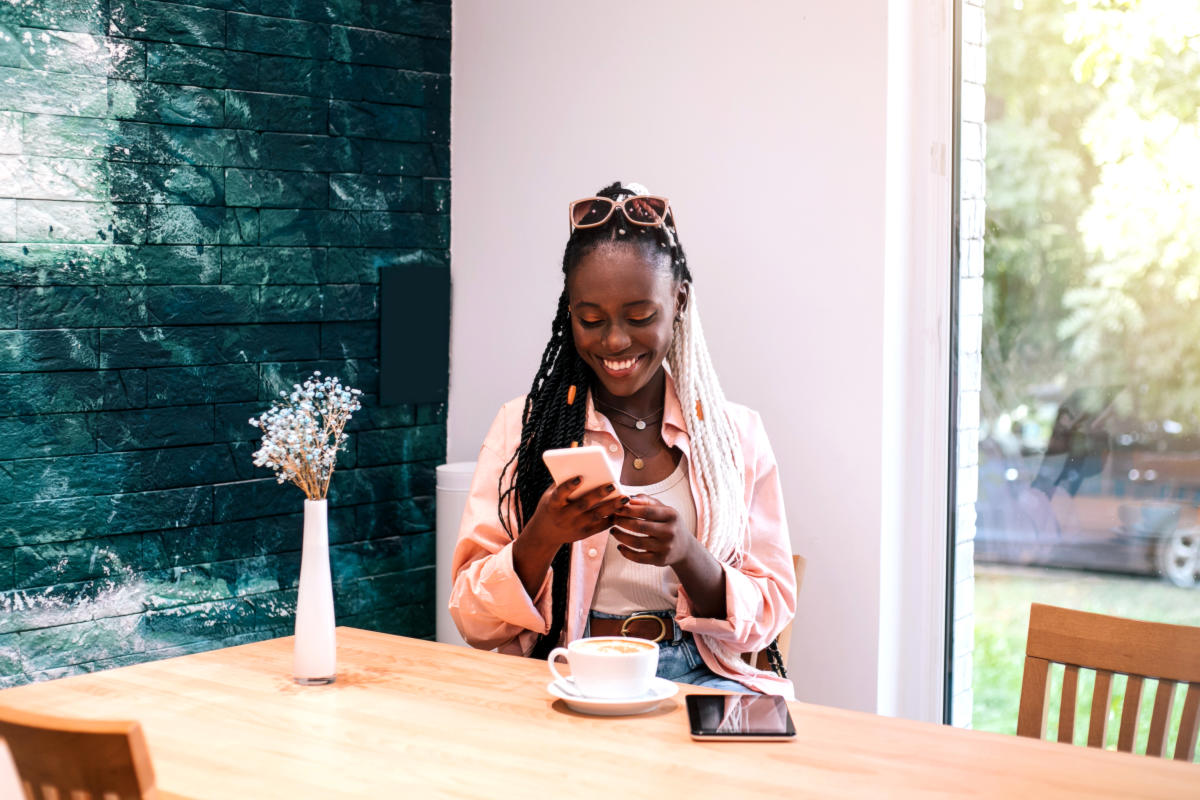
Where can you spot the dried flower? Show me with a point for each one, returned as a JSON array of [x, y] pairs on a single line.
[[303, 432]]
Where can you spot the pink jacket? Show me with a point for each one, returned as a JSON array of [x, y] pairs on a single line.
[[493, 611]]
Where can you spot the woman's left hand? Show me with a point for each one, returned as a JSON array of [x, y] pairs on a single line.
[[662, 543]]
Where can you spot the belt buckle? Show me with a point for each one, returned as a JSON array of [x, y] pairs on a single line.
[[662, 626]]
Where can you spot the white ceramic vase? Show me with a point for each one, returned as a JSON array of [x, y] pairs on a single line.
[[314, 659]]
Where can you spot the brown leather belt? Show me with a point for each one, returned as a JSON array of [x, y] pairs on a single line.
[[639, 626]]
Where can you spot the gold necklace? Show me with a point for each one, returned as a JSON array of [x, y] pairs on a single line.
[[639, 461]]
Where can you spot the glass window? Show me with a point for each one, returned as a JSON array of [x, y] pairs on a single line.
[[1088, 437]]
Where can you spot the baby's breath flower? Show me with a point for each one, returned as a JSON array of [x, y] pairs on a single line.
[[303, 432]]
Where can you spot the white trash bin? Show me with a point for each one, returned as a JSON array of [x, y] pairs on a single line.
[[453, 485]]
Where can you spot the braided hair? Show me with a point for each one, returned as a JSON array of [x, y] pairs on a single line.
[[555, 413]]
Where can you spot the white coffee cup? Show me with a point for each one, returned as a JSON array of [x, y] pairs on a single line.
[[608, 666]]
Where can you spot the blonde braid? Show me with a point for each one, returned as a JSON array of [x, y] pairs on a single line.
[[716, 453], [716, 458]]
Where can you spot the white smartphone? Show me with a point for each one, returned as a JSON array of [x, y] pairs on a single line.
[[589, 462]]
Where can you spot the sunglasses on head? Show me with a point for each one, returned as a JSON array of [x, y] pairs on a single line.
[[647, 210]]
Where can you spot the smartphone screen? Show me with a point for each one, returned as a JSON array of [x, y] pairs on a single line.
[[739, 717]]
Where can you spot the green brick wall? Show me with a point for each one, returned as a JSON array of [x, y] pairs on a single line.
[[195, 203]]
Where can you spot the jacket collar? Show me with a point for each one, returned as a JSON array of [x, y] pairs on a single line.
[[674, 426]]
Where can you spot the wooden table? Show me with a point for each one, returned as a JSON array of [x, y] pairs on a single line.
[[409, 718]]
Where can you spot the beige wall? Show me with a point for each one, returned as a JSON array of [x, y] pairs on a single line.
[[765, 124]]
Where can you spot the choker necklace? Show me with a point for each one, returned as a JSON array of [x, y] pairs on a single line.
[[639, 423]]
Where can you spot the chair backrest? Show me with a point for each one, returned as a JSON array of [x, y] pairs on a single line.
[[759, 659], [1111, 645], [73, 758]]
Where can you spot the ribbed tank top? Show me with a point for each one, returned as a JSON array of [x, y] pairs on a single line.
[[626, 587]]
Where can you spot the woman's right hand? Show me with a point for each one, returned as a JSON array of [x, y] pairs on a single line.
[[559, 520]]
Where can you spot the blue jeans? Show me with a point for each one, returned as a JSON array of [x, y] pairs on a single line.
[[678, 658]]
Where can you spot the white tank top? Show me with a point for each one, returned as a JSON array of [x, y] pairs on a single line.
[[626, 587]]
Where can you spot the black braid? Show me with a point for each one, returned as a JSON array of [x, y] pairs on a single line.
[[548, 421], [775, 659]]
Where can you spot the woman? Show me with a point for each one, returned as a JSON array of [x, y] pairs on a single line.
[[697, 554]]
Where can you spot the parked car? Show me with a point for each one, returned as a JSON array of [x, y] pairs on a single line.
[[1132, 509]]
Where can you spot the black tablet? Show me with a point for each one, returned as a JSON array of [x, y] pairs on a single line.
[[739, 718]]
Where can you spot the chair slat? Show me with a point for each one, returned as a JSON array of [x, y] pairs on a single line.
[[1164, 702], [1189, 724], [1031, 720], [1066, 706], [1101, 697], [1129, 713]]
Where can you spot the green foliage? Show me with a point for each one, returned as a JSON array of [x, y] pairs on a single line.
[[1092, 246]]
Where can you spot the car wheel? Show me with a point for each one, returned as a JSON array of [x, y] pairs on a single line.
[[1179, 557]]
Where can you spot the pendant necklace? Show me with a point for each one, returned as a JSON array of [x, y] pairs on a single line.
[[639, 460], [639, 423]]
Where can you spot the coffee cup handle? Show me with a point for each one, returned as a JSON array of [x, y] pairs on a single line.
[[550, 662]]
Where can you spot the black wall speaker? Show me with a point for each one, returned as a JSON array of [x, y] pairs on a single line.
[[414, 334]]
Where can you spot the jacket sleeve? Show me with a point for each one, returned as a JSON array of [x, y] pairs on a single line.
[[760, 592], [488, 602]]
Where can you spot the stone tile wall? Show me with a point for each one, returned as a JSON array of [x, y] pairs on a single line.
[[195, 202]]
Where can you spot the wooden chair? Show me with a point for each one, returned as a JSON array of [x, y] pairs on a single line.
[[64, 758], [759, 659], [1108, 645]]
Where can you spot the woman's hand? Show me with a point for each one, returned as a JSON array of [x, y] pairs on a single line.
[[664, 543], [559, 520], [661, 541]]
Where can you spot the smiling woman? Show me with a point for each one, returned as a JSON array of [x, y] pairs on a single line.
[[696, 539]]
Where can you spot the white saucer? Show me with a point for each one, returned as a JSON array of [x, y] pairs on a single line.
[[660, 689]]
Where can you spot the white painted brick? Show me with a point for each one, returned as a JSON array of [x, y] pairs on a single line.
[[970, 253], [964, 598], [973, 23], [964, 560], [971, 219], [967, 485], [970, 180], [964, 636], [973, 102], [970, 141], [971, 259], [970, 296], [963, 665], [969, 335], [968, 417], [972, 224], [974, 64], [966, 517], [970, 375], [968, 442], [962, 710]]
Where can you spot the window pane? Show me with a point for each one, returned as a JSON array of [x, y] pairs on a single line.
[[1088, 437]]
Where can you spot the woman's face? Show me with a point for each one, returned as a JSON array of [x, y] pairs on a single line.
[[623, 309]]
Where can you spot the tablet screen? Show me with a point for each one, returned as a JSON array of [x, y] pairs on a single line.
[[737, 715]]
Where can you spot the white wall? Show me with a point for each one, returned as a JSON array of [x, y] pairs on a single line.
[[765, 123]]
